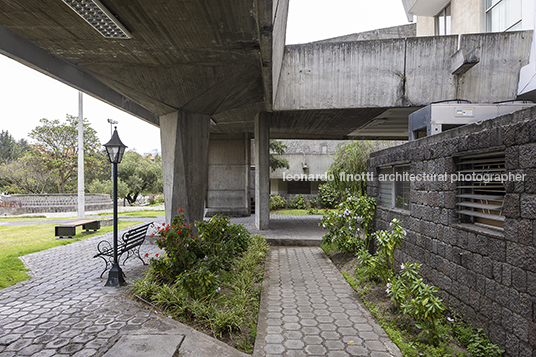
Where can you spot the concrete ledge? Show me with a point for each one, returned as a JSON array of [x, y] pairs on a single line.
[[288, 242], [146, 346]]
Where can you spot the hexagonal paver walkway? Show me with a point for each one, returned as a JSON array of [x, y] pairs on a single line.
[[308, 309], [65, 310]]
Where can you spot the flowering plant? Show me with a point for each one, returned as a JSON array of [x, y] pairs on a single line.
[[196, 261], [349, 225]]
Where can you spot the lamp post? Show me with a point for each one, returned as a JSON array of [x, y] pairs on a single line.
[[112, 122], [115, 149]]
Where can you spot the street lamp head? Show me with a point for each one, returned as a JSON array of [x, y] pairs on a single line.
[[111, 121], [115, 148]]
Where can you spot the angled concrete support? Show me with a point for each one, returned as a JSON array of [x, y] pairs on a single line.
[[262, 171], [185, 138]]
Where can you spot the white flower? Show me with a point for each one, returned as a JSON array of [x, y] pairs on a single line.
[[388, 291], [402, 267], [323, 226], [218, 290], [404, 233], [450, 319]]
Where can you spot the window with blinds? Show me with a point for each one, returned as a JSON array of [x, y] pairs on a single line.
[[395, 187], [479, 197], [386, 188]]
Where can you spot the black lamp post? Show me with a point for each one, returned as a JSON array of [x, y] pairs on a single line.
[[115, 149]]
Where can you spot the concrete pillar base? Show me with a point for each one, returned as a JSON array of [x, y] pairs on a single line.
[[185, 138]]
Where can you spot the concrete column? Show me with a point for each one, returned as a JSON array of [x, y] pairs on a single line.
[[229, 167], [185, 138], [262, 171]]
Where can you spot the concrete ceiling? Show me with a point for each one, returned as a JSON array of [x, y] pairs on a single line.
[[209, 57], [198, 56], [227, 59]]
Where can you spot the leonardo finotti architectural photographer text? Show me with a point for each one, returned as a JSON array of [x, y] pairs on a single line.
[[405, 176]]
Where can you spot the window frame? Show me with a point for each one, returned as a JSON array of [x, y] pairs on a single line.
[[491, 5], [446, 16], [394, 187]]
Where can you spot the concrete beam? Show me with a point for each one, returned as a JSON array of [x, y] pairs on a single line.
[[262, 171], [25, 52], [185, 139], [398, 72]]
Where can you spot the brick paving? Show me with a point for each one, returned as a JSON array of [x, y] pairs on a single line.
[[308, 309]]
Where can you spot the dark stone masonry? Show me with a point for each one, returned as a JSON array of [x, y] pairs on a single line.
[[487, 275]]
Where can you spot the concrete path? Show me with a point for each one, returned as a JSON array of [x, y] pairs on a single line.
[[308, 309]]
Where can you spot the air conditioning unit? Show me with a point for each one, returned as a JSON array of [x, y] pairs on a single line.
[[438, 117]]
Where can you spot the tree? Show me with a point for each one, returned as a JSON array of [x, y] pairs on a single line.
[[10, 149], [277, 148], [141, 175], [351, 159], [56, 146], [25, 175]]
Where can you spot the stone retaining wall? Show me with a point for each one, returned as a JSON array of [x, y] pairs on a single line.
[[487, 275], [25, 204]]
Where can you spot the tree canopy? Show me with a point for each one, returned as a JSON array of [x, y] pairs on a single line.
[[277, 148], [56, 146], [10, 149], [351, 158]]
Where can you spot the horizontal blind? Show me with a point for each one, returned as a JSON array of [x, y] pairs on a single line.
[[480, 196]]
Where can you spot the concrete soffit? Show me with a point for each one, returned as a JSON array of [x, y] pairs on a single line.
[[272, 18], [23, 51]]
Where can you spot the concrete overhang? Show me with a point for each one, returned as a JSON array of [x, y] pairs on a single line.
[[197, 56], [229, 61], [424, 7]]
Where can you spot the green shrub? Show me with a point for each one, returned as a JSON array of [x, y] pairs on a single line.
[[277, 202], [197, 262], [313, 202], [348, 227], [417, 299], [328, 196], [297, 202]]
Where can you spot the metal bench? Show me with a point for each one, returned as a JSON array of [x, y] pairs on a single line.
[[69, 229], [129, 243]]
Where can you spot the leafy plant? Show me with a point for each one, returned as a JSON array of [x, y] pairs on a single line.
[[328, 196], [297, 202], [481, 346], [277, 202], [348, 227], [197, 262], [230, 309], [418, 299]]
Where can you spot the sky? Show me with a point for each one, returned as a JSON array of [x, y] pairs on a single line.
[[26, 95]]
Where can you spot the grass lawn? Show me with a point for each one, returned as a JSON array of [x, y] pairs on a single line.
[[299, 212], [16, 241]]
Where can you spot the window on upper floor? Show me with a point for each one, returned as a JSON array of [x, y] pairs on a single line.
[[503, 15], [442, 22]]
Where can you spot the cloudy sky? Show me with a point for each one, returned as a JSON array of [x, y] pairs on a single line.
[[27, 96]]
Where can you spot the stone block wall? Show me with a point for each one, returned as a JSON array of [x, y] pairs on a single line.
[[487, 275], [23, 204]]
